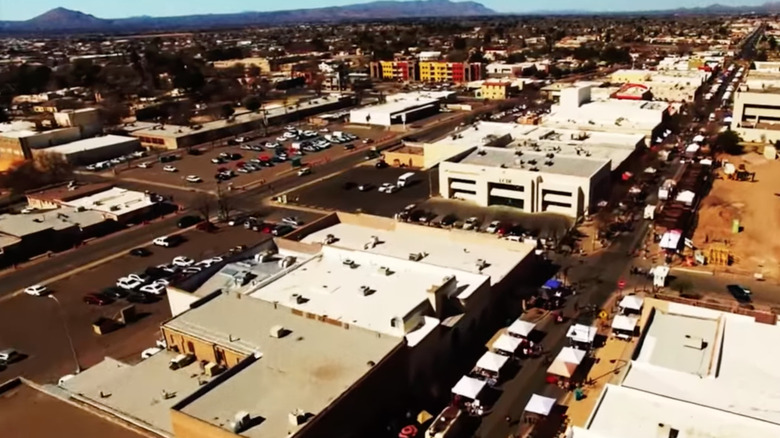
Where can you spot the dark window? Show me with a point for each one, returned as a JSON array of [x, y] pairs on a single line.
[[190, 347]]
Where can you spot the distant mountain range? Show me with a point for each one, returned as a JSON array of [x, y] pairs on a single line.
[[61, 20]]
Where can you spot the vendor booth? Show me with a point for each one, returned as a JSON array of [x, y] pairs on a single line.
[[538, 407], [467, 392], [520, 328], [631, 304], [565, 365], [489, 366], [659, 273], [582, 336], [624, 326], [507, 344]]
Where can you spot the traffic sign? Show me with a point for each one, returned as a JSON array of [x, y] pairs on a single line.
[[621, 284]]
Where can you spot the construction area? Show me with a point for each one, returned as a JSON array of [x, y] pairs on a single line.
[[738, 221]]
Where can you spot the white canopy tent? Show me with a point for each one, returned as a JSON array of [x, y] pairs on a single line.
[[692, 148], [625, 323], [566, 363], [659, 275], [631, 302], [540, 405], [582, 333], [469, 387], [521, 328], [492, 361], [506, 343], [698, 139]]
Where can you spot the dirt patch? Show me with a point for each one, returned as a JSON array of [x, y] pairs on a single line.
[[756, 205]]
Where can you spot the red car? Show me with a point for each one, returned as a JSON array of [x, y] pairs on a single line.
[[97, 299]]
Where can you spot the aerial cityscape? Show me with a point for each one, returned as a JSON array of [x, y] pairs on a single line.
[[412, 219]]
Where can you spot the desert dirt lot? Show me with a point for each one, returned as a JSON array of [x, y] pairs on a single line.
[[201, 165], [33, 326], [755, 204]]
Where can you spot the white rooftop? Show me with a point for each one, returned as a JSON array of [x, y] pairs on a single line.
[[91, 143], [469, 387], [492, 361], [397, 288], [521, 328], [21, 225], [617, 115], [115, 201], [581, 166], [624, 412], [731, 370], [445, 248]]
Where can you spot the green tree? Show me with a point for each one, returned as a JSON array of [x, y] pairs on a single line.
[[226, 110], [729, 142], [252, 103]]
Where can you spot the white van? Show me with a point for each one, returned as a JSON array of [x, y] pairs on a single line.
[[406, 179]]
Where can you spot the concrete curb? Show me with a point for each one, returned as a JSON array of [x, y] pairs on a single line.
[[693, 271]]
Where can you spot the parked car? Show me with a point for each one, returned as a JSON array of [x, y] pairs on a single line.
[[281, 230], [188, 221], [471, 223], [365, 187], [304, 171], [155, 288], [217, 160], [349, 146], [114, 292], [381, 164], [9, 355], [169, 168], [449, 220], [140, 298], [37, 290], [493, 227], [740, 293], [129, 283], [388, 188], [193, 179], [97, 299], [292, 220], [149, 352], [145, 165], [140, 252], [182, 261]]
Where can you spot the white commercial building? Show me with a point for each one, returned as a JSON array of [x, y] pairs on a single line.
[[400, 108], [533, 168], [576, 110], [756, 116], [92, 150], [697, 373], [116, 203]]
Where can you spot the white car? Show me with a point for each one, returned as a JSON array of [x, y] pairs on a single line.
[[493, 227], [128, 283], [183, 261], [303, 171], [170, 168], [240, 139], [149, 352], [292, 220], [135, 277], [27, 210], [289, 135], [36, 290], [388, 188], [281, 139], [145, 165], [217, 259], [166, 241], [471, 223], [193, 179], [154, 288]]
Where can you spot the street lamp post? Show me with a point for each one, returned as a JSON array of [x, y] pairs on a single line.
[[67, 333]]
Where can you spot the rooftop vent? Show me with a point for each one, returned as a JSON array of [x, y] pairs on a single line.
[[240, 421], [694, 342]]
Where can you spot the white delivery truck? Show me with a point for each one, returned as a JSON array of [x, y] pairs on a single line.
[[406, 179]]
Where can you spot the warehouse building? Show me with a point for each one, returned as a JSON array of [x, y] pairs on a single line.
[[401, 108], [86, 119], [93, 150], [18, 141], [169, 137]]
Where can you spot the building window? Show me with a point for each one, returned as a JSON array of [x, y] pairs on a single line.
[[190, 347]]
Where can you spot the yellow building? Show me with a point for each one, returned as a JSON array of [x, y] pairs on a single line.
[[394, 70], [623, 76], [440, 71], [262, 63], [495, 90]]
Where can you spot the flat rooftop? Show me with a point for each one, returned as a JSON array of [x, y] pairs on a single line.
[[64, 192], [139, 391], [20, 225], [26, 411], [254, 270], [92, 143], [624, 412], [115, 201], [328, 285], [609, 114], [738, 383], [681, 343], [307, 369], [581, 166]]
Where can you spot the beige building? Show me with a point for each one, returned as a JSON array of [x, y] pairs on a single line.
[[18, 145], [756, 116], [495, 90], [262, 63], [86, 119]]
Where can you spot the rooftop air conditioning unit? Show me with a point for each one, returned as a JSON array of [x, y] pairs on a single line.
[[240, 421], [277, 331], [365, 290]]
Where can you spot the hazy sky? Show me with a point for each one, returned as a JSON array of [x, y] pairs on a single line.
[[22, 10]]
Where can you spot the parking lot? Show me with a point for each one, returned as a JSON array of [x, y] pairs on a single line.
[[342, 191], [33, 325], [201, 165]]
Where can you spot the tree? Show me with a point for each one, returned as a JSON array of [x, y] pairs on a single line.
[[729, 142], [477, 56], [459, 43], [45, 168], [223, 204], [202, 204], [226, 110], [772, 42], [252, 103]]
